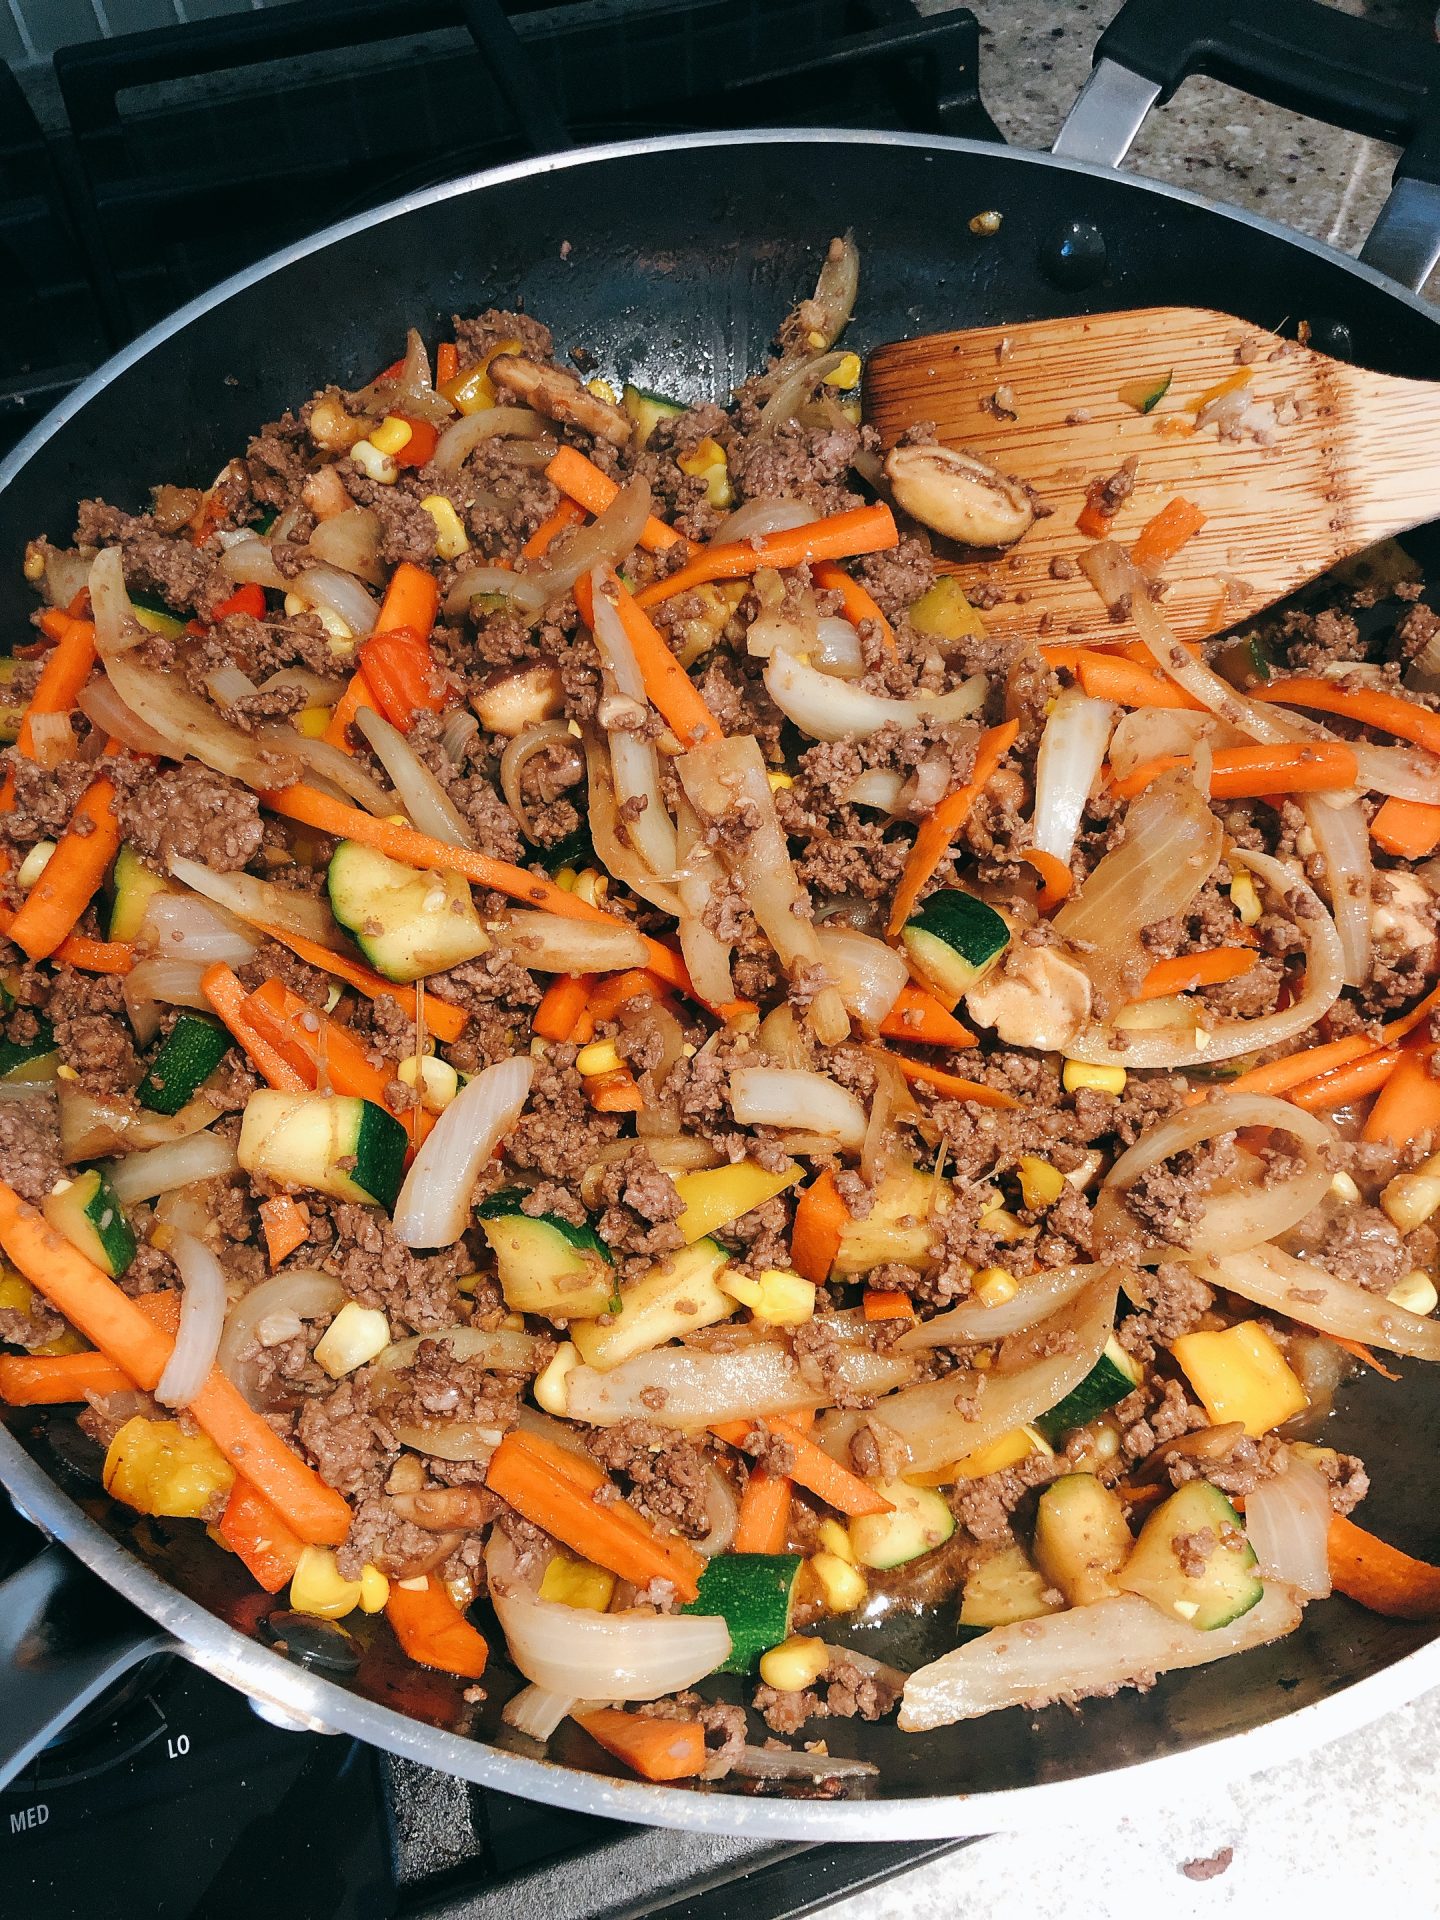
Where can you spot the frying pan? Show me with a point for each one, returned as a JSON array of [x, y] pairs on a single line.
[[673, 259]]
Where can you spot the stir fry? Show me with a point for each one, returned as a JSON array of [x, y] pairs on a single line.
[[591, 1067]]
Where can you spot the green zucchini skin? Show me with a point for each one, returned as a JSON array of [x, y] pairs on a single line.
[[1207, 1595], [954, 941], [754, 1593], [1113, 1376], [30, 1059], [88, 1212], [547, 1265], [335, 1143], [189, 1054]]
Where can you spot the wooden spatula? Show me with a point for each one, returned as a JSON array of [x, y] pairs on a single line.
[[1311, 461]]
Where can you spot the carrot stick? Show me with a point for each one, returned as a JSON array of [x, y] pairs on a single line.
[[66, 669], [433, 1630], [1310, 1062], [557, 1490], [1349, 1082], [286, 1225], [57, 1379], [764, 1521], [79, 950], [256, 1533], [91, 1301], [583, 482], [1162, 536], [1055, 876], [820, 1217], [1131, 685], [837, 537], [855, 603], [887, 1303], [939, 828], [447, 361], [411, 602], [615, 1092], [1364, 1356], [321, 1051], [952, 1085], [445, 1021], [919, 1016], [358, 694], [670, 689], [1368, 706], [1380, 1576], [1409, 1102], [72, 874], [655, 1749], [1409, 828], [565, 516], [1257, 773], [1094, 524], [813, 1469], [1190, 970], [226, 995], [615, 990], [565, 1000]]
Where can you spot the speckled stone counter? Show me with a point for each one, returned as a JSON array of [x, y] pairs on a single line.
[[1349, 1830]]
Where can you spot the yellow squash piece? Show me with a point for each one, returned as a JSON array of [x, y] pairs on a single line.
[[1240, 1374], [943, 613], [719, 1195], [156, 1467], [577, 1583]]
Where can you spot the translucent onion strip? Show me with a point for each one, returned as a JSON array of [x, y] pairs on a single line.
[[461, 437], [342, 770], [301, 1293], [618, 857], [972, 1323], [1072, 748], [1287, 1520], [189, 725], [827, 708], [202, 1316], [262, 903], [425, 800], [1342, 839], [686, 1387], [433, 1209], [707, 956], [869, 974], [784, 1097], [142, 1176], [1317, 1298]]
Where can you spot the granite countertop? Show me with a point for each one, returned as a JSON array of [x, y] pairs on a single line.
[[1339, 1831]]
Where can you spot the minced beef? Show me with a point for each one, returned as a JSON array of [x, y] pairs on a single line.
[[87, 1012], [415, 1291], [666, 1472], [188, 810], [45, 798], [350, 1444]]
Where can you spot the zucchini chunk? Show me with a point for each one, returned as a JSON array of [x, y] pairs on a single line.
[[1081, 1538], [954, 941], [898, 1226], [189, 1054], [545, 1264], [1113, 1375], [406, 923], [673, 1298], [1192, 1559], [336, 1143], [647, 410], [132, 887], [152, 613], [88, 1212], [754, 1593], [921, 1521], [1004, 1589], [30, 1060]]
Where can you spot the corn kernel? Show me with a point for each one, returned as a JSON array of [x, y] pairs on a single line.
[[551, 1392], [835, 1539], [842, 1583], [795, 1664], [779, 781], [451, 539], [374, 1589], [577, 1583], [591, 887], [852, 412], [468, 1282], [994, 1286], [352, 1339], [311, 724], [847, 374], [815, 341], [786, 1300], [565, 879], [436, 1081], [66, 1073], [1410, 1198], [1416, 1292], [1076, 1074], [601, 1056], [34, 567], [393, 434], [34, 864], [317, 1586], [1105, 1442], [1344, 1188], [1245, 899], [1041, 1185], [374, 464], [708, 463], [603, 390]]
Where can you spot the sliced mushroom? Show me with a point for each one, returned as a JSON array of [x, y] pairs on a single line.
[[560, 396], [1036, 999], [509, 702], [959, 495]]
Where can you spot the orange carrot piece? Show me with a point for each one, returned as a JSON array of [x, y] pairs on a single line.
[[1104, 677], [1055, 877], [358, 694], [565, 516], [952, 1085], [939, 828], [1187, 971], [671, 691], [433, 1630], [582, 481], [1408, 828], [839, 536], [226, 995], [615, 1092], [1380, 1576], [72, 874], [66, 669], [1351, 1081], [411, 602], [820, 1217], [445, 1021], [556, 1490], [615, 990], [887, 1303], [259, 1537], [91, 1302], [918, 1016], [399, 669], [1279, 1076], [855, 602], [1162, 536], [565, 1000], [1364, 1356], [59, 1379], [1409, 1102], [813, 1469], [286, 1223], [323, 1052], [763, 1525], [1368, 706], [1094, 524], [447, 362], [78, 949], [1259, 772], [655, 1749]]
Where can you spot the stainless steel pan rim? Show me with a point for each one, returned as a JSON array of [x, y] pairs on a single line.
[[301, 1698]]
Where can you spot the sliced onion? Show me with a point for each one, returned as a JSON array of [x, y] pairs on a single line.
[[90, 1126], [635, 761], [1032, 1373], [190, 725], [103, 707], [518, 754], [837, 649], [879, 787], [1342, 839], [766, 513], [826, 708], [52, 742], [548, 943], [707, 956], [339, 593], [67, 572], [781, 1097], [722, 1510], [143, 1010], [720, 779], [171, 980], [1112, 573], [342, 770], [116, 628], [303, 1292], [833, 300], [1222, 1040], [538, 1712], [1287, 1521], [792, 391], [433, 1209], [1148, 732], [228, 686], [497, 1349], [1113, 1643], [1250, 717], [1317, 1298], [607, 1656], [1072, 748], [410, 391], [620, 858], [700, 1387], [423, 797], [461, 437], [605, 542], [180, 926], [869, 974], [788, 1763], [202, 1316], [972, 1323], [891, 1098], [523, 593], [141, 1176], [251, 562], [260, 903], [351, 541]]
